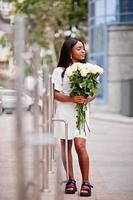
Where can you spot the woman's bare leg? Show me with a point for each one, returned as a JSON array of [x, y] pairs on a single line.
[[80, 146], [70, 160]]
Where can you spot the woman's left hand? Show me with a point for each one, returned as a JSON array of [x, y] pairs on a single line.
[[90, 98], [86, 101]]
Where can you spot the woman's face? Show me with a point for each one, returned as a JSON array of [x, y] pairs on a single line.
[[78, 52]]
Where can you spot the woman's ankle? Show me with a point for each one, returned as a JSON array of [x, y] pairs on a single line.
[[86, 181]]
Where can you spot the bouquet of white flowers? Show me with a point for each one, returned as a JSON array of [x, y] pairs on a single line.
[[84, 82]]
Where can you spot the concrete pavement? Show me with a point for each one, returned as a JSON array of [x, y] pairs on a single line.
[[111, 159], [110, 146]]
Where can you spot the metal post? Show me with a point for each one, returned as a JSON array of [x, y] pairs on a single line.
[[44, 159], [50, 112], [36, 172], [19, 36], [52, 115], [66, 144]]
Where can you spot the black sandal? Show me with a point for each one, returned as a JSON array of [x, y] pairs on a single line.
[[85, 190], [70, 187]]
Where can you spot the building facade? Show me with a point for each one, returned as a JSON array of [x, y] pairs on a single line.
[[111, 46]]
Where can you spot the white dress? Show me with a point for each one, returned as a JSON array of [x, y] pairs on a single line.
[[66, 110]]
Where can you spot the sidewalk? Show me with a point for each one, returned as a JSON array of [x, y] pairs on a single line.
[[111, 159], [111, 152], [112, 117], [110, 146]]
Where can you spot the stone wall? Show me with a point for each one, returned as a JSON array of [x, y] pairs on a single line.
[[120, 66], [120, 63]]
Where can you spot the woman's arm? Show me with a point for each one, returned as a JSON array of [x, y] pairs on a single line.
[[77, 99], [61, 97]]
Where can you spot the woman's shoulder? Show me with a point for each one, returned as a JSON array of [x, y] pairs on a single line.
[[58, 70]]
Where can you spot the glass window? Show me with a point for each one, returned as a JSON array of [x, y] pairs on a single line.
[[100, 20], [99, 39], [120, 11], [126, 6], [99, 60], [111, 7], [111, 19], [92, 39], [126, 18], [92, 10], [92, 22], [99, 8]]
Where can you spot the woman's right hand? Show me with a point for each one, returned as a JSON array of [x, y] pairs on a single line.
[[76, 99], [79, 99]]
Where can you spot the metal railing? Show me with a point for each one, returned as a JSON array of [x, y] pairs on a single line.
[[43, 123]]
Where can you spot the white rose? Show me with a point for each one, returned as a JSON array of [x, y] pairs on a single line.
[[83, 72], [88, 68], [99, 69], [80, 66], [74, 67], [89, 65], [94, 69], [69, 72]]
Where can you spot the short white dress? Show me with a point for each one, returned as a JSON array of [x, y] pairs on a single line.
[[66, 110]]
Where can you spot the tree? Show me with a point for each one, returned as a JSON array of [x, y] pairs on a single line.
[[51, 21]]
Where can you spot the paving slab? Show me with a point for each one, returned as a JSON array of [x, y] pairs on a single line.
[[111, 161]]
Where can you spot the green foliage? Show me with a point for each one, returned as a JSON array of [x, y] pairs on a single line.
[[83, 86], [81, 116], [51, 21], [48, 17], [28, 70], [4, 40]]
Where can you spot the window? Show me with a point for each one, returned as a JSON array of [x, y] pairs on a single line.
[[126, 18], [100, 20], [126, 11], [99, 60], [111, 19], [97, 55], [92, 10], [99, 8], [111, 7], [99, 39], [126, 6], [92, 39], [103, 13]]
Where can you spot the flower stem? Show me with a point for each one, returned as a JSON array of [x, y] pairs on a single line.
[[80, 116]]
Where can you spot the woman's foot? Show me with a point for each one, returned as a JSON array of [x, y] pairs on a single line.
[[85, 189], [70, 187]]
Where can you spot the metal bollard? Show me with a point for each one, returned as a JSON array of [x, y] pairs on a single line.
[[44, 156], [66, 144], [50, 115], [22, 185], [19, 40], [36, 64]]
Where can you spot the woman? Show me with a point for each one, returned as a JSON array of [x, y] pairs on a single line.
[[73, 50]]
